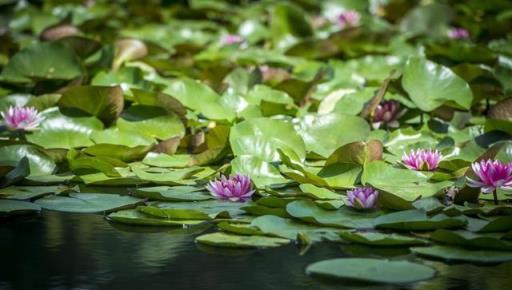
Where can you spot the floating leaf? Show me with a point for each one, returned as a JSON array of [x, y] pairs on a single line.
[[135, 217], [105, 103], [344, 217], [380, 239], [431, 85], [261, 137], [16, 207], [417, 220], [372, 270], [42, 61], [464, 255], [87, 202], [323, 134], [236, 241]]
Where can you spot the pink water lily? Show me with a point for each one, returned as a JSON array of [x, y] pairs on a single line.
[[230, 39], [21, 118], [387, 114], [492, 175], [362, 197], [234, 188], [349, 18], [458, 33], [422, 159]]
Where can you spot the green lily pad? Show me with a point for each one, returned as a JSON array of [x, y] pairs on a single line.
[[344, 217], [471, 240], [174, 193], [105, 103], [135, 217], [199, 97], [464, 255], [323, 134], [417, 220], [44, 60], [261, 137], [289, 229], [431, 85], [372, 270], [318, 192], [30, 192], [380, 239], [16, 207], [236, 241], [201, 210], [39, 162], [88, 202]]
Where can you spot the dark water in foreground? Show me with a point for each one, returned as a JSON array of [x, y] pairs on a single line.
[[71, 251]]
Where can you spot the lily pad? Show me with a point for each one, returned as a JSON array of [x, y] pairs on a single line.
[[16, 207], [417, 220], [431, 85], [201, 210], [174, 193], [372, 270], [464, 255], [344, 217], [135, 217], [380, 239], [236, 241], [88, 202]]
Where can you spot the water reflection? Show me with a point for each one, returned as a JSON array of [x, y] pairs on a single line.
[[71, 251]]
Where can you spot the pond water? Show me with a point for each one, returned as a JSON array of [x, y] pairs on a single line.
[[74, 251]]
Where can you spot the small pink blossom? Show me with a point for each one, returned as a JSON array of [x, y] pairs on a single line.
[[349, 18], [458, 33], [21, 118], [492, 174], [230, 39], [234, 188], [362, 197], [422, 159], [387, 113]]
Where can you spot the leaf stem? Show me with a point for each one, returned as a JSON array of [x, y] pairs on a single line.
[[495, 195]]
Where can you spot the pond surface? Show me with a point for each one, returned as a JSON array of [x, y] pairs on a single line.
[[72, 251]]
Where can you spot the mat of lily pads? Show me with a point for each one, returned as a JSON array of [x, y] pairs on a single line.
[[373, 123]]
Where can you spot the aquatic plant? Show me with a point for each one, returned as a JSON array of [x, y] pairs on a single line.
[[492, 175], [362, 197], [21, 118], [422, 159], [237, 187]]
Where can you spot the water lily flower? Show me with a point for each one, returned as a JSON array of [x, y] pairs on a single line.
[[458, 33], [362, 197], [230, 39], [422, 159], [234, 188], [349, 18], [492, 175], [387, 113], [21, 118]]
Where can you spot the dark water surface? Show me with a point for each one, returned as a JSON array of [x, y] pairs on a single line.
[[72, 251]]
